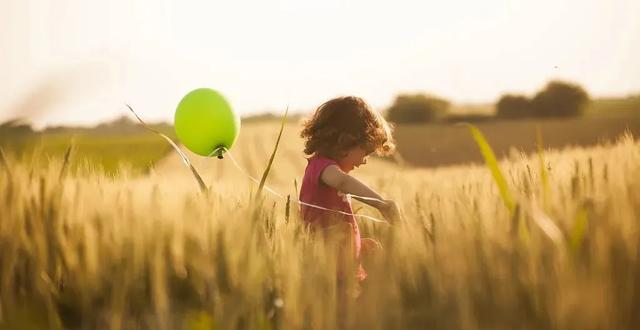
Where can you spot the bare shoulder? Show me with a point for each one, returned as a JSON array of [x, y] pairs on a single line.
[[333, 176]]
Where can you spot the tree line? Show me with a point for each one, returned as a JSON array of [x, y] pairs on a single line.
[[556, 99]]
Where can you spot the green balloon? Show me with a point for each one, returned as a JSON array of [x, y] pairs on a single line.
[[205, 121]]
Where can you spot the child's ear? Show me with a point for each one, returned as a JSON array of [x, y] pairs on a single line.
[[343, 153]]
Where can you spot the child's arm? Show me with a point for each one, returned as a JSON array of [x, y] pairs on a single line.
[[333, 176]]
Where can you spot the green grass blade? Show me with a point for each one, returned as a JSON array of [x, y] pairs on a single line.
[[273, 155], [185, 159], [492, 163], [65, 163], [579, 229]]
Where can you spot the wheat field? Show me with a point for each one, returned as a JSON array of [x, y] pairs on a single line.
[[83, 250]]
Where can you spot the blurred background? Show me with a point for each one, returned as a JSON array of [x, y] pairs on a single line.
[[568, 67]]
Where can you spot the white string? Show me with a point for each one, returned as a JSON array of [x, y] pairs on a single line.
[[297, 200], [187, 163]]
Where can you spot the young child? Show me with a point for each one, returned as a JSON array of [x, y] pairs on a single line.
[[339, 137]]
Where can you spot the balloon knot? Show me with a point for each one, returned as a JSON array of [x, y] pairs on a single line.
[[218, 151]]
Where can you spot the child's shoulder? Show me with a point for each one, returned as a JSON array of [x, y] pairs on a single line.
[[320, 160], [312, 184]]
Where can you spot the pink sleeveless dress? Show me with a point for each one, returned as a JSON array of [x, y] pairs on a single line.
[[314, 191]]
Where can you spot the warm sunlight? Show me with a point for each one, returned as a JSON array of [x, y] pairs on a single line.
[[266, 54]]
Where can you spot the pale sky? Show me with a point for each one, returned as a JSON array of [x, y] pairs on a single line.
[[77, 61]]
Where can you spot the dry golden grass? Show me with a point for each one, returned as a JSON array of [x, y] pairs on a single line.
[[153, 252]]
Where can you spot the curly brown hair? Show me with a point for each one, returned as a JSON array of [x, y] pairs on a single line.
[[343, 123]]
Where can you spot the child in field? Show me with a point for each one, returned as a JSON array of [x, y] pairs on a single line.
[[340, 136]]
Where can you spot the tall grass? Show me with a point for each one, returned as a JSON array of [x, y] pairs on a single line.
[[265, 174], [95, 251], [492, 165]]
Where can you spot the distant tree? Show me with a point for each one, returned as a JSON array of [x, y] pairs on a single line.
[[560, 99], [417, 108], [514, 106], [15, 126]]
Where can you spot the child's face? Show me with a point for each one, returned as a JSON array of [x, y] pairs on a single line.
[[355, 157]]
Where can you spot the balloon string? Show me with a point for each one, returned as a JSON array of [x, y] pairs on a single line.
[[269, 189], [187, 163]]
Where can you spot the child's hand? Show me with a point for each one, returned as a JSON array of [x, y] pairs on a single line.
[[390, 211]]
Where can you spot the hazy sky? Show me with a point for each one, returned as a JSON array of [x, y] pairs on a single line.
[[77, 61]]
